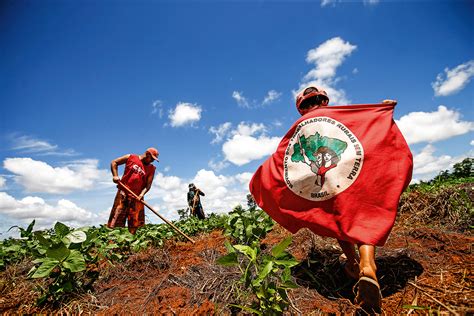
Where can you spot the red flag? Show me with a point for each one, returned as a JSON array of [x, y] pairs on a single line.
[[338, 171]]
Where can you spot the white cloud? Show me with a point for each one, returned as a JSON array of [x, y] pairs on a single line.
[[3, 182], [426, 165], [241, 100], [454, 80], [277, 123], [217, 165], [244, 178], [327, 2], [241, 149], [220, 132], [157, 107], [38, 176], [430, 127], [271, 96], [185, 113], [326, 58], [31, 145], [248, 130], [371, 2], [32, 207], [472, 143], [244, 146]]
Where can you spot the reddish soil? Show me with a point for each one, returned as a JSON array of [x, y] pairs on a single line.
[[147, 282], [427, 267]]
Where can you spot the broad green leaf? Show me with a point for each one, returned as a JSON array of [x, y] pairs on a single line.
[[228, 260], [260, 292], [289, 285], [277, 308], [278, 249], [76, 236], [287, 263], [12, 248], [75, 262], [286, 274], [265, 271], [43, 241], [229, 247], [30, 227], [59, 252], [61, 229], [66, 241], [249, 231], [92, 235], [45, 268], [271, 290], [250, 252]]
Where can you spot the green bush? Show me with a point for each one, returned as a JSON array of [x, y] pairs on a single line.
[[267, 276], [248, 226]]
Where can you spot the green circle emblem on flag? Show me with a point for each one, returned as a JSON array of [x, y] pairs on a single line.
[[323, 158]]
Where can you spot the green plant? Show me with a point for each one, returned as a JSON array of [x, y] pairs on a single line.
[[14, 250], [248, 226], [267, 276], [183, 214], [60, 259]]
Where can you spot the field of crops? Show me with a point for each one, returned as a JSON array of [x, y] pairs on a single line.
[[242, 263]]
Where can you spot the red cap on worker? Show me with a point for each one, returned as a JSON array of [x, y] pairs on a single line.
[[153, 152], [307, 93]]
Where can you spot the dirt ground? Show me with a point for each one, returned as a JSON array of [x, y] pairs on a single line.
[[424, 267]]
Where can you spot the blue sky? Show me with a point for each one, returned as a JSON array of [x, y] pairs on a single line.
[[211, 85]]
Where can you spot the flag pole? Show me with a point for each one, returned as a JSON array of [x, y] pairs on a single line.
[[162, 218]]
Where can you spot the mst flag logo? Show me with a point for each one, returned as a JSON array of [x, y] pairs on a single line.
[[330, 151]]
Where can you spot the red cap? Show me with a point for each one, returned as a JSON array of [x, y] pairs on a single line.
[[153, 152], [312, 93]]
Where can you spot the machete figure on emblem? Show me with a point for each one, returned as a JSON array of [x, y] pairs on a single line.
[[320, 159]]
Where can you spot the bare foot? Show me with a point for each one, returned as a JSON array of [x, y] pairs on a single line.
[[368, 271]]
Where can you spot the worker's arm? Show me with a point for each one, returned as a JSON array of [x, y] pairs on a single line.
[[114, 166], [149, 181]]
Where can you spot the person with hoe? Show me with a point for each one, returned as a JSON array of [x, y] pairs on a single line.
[[334, 173], [194, 201], [138, 177]]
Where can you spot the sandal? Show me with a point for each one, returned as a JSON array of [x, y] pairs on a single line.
[[369, 296]]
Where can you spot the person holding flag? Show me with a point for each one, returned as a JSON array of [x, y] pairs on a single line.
[[138, 177], [334, 173]]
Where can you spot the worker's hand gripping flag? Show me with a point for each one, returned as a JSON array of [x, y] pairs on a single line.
[[339, 171]]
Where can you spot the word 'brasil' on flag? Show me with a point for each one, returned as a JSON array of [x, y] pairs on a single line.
[[338, 171]]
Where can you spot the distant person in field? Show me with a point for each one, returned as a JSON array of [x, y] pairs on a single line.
[[138, 177], [194, 201]]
